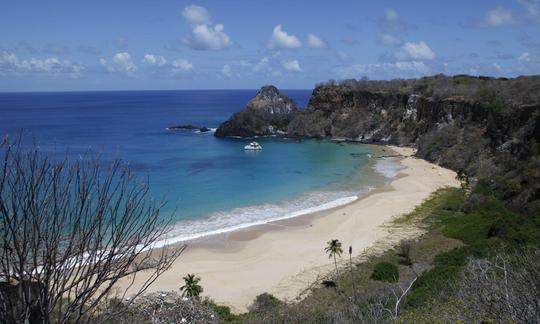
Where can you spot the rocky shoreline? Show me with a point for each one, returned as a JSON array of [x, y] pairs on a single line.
[[462, 122]]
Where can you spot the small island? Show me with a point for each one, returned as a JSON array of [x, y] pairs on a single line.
[[202, 129]]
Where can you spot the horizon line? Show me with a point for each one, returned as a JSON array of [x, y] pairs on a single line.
[[143, 90]]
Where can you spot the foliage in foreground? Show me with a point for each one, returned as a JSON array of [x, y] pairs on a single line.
[[161, 307], [69, 232]]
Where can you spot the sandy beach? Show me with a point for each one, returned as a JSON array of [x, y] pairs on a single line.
[[285, 257]]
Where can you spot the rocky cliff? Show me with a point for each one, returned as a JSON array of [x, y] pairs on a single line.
[[269, 113], [387, 117], [488, 128]]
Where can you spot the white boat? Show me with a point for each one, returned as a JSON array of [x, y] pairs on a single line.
[[253, 146]]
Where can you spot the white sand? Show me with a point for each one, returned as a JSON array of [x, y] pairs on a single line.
[[286, 257]]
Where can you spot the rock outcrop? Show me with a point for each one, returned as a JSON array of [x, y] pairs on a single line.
[[202, 129], [379, 117], [488, 128], [269, 113]]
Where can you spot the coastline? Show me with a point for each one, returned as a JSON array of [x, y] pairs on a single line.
[[285, 257]]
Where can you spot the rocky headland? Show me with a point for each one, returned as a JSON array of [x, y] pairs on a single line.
[[269, 113], [487, 128]]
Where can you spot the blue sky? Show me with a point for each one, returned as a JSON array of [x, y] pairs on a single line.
[[123, 45]]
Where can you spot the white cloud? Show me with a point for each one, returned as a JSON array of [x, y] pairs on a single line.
[[281, 39], [533, 9], [121, 62], [157, 60], [204, 35], [263, 63], [524, 57], [396, 69], [415, 51], [392, 22], [315, 41], [226, 70], [10, 63], [182, 65], [389, 40], [292, 65], [343, 55], [390, 15], [196, 15], [499, 16], [243, 63]]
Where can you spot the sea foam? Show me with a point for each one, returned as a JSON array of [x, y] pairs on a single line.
[[388, 167], [244, 217]]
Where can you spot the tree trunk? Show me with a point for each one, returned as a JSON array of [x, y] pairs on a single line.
[[352, 277], [335, 263]]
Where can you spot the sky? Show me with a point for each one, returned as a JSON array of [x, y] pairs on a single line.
[[66, 45]]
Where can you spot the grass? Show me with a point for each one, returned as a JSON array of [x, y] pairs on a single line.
[[385, 271], [485, 229]]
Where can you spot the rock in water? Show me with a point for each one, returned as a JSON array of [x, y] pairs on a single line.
[[269, 113], [202, 129]]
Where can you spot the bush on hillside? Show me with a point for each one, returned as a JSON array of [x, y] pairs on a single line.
[[264, 303], [405, 252], [385, 271]]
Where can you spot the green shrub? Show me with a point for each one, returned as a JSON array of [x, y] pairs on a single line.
[[265, 303], [385, 271], [223, 312], [513, 186]]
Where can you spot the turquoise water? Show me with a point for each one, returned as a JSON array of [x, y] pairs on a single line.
[[213, 184]]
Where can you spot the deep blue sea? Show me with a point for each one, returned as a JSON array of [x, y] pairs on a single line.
[[212, 183]]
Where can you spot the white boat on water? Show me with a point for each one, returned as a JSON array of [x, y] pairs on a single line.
[[253, 146]]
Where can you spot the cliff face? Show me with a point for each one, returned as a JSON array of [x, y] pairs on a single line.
[[268, 113], [488, 128], [364, 116], [493, 137]]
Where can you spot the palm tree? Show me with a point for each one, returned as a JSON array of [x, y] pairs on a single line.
[[334, 248], [191, 287]]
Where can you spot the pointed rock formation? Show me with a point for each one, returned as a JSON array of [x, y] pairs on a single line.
[[269, 113]]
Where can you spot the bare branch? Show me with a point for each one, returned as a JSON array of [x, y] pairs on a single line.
[[69, 232]]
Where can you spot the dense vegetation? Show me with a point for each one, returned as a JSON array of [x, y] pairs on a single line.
[[497, 92]]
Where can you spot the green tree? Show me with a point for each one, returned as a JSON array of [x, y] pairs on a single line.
[[191, 287], [334, 249]]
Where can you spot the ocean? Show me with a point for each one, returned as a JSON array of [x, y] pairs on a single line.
[[211, 185]]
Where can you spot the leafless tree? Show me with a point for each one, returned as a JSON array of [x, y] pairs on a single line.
[[69, 231], [505, 288], [398, 298]]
